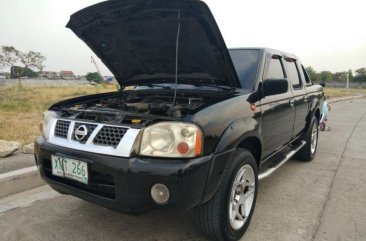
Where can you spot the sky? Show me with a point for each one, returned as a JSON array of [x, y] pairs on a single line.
[[325, 34]]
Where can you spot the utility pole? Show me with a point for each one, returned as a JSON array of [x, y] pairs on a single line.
[[347, 81], [96, 66]]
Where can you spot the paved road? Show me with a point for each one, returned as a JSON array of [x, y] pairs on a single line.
[[16, 161], [321, 200]]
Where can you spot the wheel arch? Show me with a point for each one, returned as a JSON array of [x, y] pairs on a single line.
[[314, 113], [249, 142], [244, 133], [317, 114], [254, 146], [237, 132]]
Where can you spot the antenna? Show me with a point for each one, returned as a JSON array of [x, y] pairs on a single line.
[[176, 64]]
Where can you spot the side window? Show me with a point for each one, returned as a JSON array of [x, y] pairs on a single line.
[[293, 73], [307, 79], [275, 69]]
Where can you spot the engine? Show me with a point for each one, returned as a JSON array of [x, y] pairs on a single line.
[[135, 108]]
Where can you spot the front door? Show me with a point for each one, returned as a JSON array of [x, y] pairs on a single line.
[[278, 111]]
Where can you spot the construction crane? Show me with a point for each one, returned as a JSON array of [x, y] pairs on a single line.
[[96, 66]]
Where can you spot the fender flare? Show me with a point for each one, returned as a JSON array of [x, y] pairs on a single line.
[[234, 134], [313, 108]]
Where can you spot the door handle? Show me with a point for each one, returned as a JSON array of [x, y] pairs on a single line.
[[292, 102]]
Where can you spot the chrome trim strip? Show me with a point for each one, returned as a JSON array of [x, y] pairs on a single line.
[[94, 134], [123, 149], [71, 129], [51, 128], [128, 141]]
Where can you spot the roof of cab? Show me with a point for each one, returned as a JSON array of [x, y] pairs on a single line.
[[267, 50]]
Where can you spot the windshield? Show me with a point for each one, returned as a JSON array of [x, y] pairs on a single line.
[[246, 65], [172, 86]]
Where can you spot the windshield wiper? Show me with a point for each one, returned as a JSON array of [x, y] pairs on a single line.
[[226, 88], [159, 85], [151, 85]]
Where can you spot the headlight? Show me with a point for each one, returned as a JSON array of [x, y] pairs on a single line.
[[47, 117], [171, 139]]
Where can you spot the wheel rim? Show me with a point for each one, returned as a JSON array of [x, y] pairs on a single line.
[[314, 138], [241, 197]]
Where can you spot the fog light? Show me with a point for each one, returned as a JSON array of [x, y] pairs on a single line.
[[160, 193]]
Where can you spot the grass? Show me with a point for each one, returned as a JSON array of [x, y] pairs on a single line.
[[21, 107], [342, 92]]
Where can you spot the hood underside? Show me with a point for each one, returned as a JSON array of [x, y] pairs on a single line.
[[142, 41]]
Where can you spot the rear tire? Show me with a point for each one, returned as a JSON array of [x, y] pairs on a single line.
[[227, 215], [307, 152]]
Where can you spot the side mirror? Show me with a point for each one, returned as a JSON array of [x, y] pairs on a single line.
[[322, 84], [275, 86]]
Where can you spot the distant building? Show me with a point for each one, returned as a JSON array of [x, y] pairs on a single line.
[[49, 75], [2, 76], [67, 74]]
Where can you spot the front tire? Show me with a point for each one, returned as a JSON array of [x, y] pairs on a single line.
[[227, 215]]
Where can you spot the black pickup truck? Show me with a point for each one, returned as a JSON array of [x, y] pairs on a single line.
[[194, 125]]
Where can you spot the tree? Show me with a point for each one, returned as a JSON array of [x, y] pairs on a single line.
[[360, 75], [32, 59], [8, 56], [94, 77], [361, 72], [340, 76], [314, 76], [326, 76]]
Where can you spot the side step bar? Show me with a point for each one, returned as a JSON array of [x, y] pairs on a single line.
[[269, 171]]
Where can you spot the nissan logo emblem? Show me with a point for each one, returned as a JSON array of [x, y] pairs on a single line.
[[81, 132]]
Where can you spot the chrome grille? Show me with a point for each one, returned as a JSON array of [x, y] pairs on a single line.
[[62, 128], [89, 127], [106, 139], [110, 136]]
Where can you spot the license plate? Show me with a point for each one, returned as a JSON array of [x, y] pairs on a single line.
[[70, 168]]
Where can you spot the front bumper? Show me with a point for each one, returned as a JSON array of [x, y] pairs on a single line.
[[124, 184]]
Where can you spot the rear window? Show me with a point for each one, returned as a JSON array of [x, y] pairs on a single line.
[[307, 79], [293, 73], [246, 64]]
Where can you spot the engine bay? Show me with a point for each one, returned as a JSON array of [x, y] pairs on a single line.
[[137, 107]]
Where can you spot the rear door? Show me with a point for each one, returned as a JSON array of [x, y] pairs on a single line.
[[278, 113], [300, 97]]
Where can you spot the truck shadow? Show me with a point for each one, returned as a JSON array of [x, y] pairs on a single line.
[[155, 225]]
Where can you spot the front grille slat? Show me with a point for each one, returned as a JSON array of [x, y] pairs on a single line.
[[110, 136], [62, 128]]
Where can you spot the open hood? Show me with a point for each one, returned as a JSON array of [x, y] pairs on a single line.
[[142, 41]]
